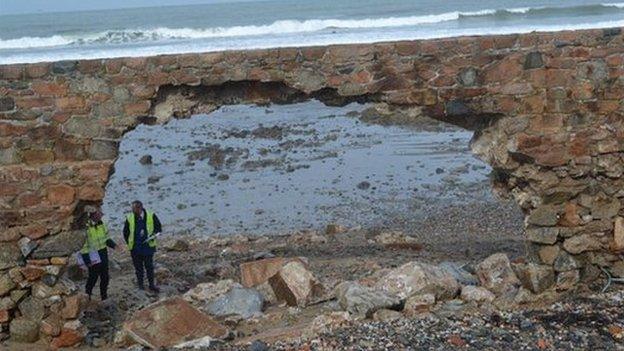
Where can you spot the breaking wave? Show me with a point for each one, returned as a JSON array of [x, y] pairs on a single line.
[[164, 34]]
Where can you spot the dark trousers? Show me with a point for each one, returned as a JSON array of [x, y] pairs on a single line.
[[100, 271], [143, 263]]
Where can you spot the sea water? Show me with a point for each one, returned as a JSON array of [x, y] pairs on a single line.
[[45, 36]]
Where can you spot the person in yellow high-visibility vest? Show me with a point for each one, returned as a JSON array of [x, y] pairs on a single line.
[[97, 240], [140, 228]]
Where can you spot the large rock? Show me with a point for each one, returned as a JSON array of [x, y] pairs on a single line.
[[478, 294], [605, 207], [24, 330], [534, 277], [10, 255], [419, 303], [565, 262], [26, 246], [171, 322], [63, 244], [206, 292], [567, 279], [544, 215], [72, 305], [543, 235], [254, 273], [496, 275], [458, 272], [419, 278], [360, 300], [246, 303], [295, 284], [32, 308], [582, 243], [6, 284]]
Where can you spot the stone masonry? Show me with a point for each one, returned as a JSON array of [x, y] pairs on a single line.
[[546, 109]]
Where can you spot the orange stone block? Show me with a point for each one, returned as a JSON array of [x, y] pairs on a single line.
[[170, 322], [71, 103], [137, 108], [67, 338], [37, 156], [61, 194], [4, 316], [43, 88], [91, 192], [257, 272], [32, 273], [37, 70]]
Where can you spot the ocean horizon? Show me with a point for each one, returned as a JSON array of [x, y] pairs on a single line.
[[37, 37]]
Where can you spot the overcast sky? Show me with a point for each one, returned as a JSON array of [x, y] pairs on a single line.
[[8, 7]]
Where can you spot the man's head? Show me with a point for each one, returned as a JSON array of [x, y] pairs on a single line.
[[96, 216], [93, 213], [137, 207]]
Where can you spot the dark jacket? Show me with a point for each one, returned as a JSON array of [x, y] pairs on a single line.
[[140, 246]]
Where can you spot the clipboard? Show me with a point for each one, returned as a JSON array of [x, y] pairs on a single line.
[[94, 257], [151, 237]]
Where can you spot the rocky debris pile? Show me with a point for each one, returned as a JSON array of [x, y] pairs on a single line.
[[412, 294], [36, 300], [594, 323]]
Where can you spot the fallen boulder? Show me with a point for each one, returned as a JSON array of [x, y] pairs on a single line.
[[206, 292], [477, 294], [360, 300], [535, 277], [254, 273], [171, 322], [24, 330], [295, 284], [460, 274], [419, 278], [246, 303], [419, 303], [496, 275]]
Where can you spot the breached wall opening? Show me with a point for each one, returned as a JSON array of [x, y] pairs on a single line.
[[278, 169], [180, 101]]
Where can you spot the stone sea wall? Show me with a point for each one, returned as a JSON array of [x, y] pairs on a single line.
[[546, 109]]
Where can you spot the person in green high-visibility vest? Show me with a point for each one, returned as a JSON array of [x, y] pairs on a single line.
[[97, 240], [140, 228]]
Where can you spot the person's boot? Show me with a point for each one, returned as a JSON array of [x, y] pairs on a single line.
[[154, 289]]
